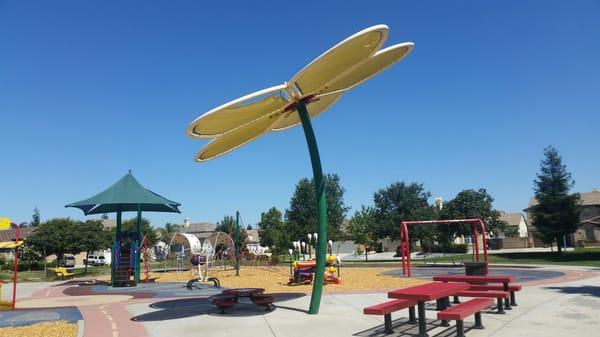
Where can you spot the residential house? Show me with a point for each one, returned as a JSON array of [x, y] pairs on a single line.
[[253, 244], [517, 224], [9, 236], [589, 228]]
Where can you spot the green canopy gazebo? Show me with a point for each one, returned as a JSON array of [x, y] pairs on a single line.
[[126, 195]]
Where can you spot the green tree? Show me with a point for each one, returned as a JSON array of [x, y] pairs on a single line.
[[398, 202], [557, 213], [165, 234], [301, 216], [470, 204], [130, 225], [363, 227], [227, 225], [56, 236], [249, 227], [273, 232], [35, 218], [92, 237]]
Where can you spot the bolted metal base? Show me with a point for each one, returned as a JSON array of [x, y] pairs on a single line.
[[478, 324]]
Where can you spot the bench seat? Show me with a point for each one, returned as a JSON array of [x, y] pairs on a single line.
[[499, 295], [511, 287], [224, 301], [386, 308], [263, 300], [461, 311]]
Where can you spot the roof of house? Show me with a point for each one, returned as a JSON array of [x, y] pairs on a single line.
[[201, 227], [595, 220], [512, 219], [587, 199], [9, 234]]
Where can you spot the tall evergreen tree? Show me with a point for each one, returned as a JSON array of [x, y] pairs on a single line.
[[35, 218], [557, 212]]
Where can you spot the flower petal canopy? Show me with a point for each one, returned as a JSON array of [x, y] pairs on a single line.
[[320, 84]]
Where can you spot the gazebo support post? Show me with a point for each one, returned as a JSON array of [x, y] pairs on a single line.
[[237, 243], [321, 249], [114, 265], [138, 239]]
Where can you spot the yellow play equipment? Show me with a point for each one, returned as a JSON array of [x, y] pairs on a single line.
[[4, 305], [63, 272], [302, 271]]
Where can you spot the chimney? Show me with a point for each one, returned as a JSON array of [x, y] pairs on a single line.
[[186, 222], [439, 203]]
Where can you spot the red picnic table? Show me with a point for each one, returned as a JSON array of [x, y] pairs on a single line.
[[479, 279], [428, 292]]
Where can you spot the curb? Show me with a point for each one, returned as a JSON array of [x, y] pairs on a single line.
[[80, 328]]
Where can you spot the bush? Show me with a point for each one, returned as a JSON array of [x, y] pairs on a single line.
[[37, 265], [274, 259], [453, 249]]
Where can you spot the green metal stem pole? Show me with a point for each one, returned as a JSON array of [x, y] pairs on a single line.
[[237, 243], [321, 249]]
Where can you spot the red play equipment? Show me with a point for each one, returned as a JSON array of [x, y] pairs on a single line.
[[405, 241], [146, 257]]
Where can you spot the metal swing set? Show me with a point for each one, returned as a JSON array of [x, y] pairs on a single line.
[[478, 226]]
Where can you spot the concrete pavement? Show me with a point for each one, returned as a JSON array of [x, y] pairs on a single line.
[[555, 309]]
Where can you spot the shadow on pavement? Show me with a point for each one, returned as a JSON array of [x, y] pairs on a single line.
[[188, 307], [403, 328], [583, 290]]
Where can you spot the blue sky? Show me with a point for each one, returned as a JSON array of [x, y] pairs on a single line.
[[90, 89]]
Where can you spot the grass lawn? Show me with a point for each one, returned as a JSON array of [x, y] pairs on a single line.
[[579, 257], [38, 275]]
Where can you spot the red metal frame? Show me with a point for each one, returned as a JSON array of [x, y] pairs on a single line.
[[405, 241], [146, 261], [16, 265]]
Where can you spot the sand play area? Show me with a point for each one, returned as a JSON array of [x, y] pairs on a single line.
[[275, 279]]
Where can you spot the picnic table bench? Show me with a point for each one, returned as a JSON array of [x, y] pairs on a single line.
[[229, 298], [429, 292], [461, 311], [480, 283], [385, 309]]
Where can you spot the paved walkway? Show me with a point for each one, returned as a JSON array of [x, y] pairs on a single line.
[[565, 305]]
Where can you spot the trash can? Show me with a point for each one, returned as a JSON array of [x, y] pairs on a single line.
[[475, 268]]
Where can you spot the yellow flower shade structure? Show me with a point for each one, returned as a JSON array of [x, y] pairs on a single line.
[[307, 94]]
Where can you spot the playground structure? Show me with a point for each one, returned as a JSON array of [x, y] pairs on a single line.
[[302, 272], [5, 223], [405, 240], [200, 256], [127, 195]]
